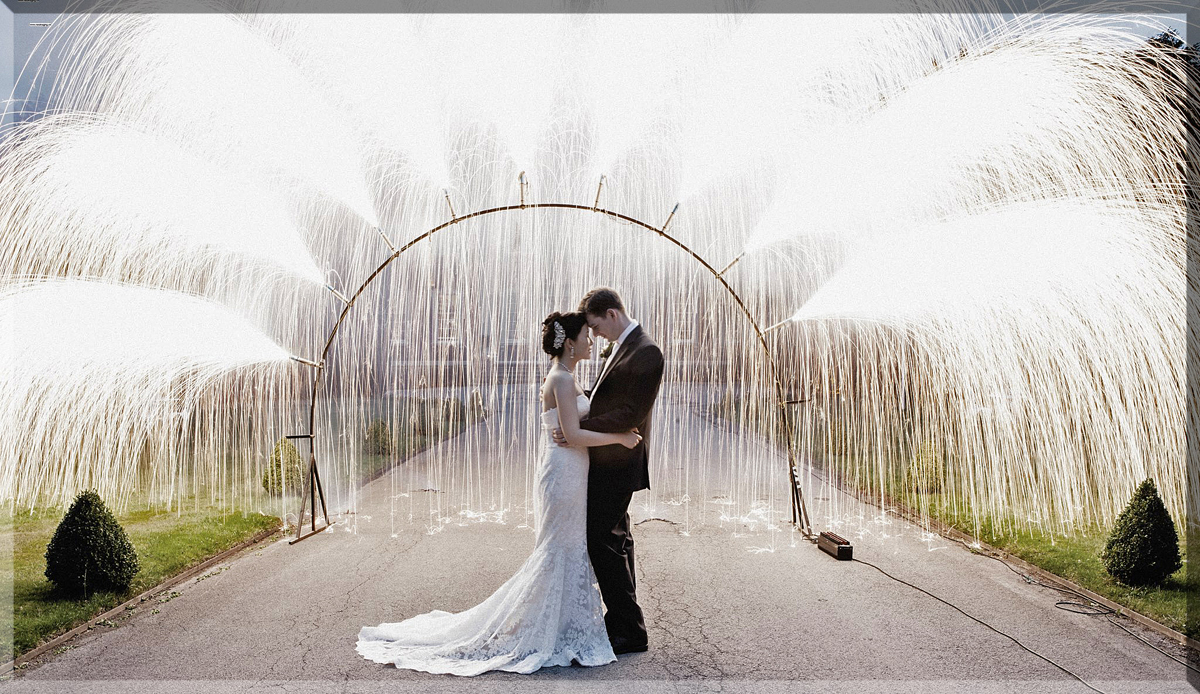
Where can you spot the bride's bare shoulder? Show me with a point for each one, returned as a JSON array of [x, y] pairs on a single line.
[[556, 378]]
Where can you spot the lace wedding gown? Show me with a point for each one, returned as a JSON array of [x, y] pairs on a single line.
[[547, 614]]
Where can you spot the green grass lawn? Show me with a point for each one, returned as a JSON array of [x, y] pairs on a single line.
[[1074, 556], [1077, 558], [167, 543]]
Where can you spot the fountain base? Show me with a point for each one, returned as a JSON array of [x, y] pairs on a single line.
[[835, 546]]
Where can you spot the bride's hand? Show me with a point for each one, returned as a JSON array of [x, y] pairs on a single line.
[[630, 439]]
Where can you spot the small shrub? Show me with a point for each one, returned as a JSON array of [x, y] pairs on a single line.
[[477, 410], [417, 414], [379, 439], [435, 418], [925, 470], [451, 416], [284, 471], [729, 406], [90, 550], [1143, 548]]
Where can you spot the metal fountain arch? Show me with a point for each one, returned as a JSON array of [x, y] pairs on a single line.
[[312, 488]]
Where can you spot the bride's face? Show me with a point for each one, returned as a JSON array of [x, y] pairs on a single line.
[[583, 344]]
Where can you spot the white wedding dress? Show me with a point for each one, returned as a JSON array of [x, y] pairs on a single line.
[[547, 614]]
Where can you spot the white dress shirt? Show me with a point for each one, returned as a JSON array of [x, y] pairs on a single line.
[[612, 356]]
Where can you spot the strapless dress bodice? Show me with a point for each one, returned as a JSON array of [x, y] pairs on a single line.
[[550, 416]]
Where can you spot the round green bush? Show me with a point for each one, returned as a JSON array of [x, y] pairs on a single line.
[[90, 550], [284, 470], [1143, 548], [379, 440]]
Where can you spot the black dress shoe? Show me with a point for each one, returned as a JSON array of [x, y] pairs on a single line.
[[621, 646]]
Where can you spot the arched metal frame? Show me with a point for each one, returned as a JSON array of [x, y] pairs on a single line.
[[313, 485]]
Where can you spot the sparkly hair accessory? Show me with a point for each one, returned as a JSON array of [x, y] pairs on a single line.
[[559, 335]]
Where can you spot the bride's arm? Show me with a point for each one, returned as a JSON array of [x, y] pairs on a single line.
[[568, 418]]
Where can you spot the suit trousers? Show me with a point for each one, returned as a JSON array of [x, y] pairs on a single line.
[[610, 547]]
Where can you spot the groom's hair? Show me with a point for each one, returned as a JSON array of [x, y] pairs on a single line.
[[599, 300]]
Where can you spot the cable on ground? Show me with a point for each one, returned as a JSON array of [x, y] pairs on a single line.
[[1088, 606], [989, 626]]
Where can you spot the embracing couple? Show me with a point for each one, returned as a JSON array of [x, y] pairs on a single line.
[[594, 457]]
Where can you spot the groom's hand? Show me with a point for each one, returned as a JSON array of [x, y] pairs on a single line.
[[558, 437]]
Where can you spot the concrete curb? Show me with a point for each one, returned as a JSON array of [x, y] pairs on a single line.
[[936, 526], [9, 667]]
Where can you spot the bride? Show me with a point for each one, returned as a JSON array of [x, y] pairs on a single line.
[[549, 612]]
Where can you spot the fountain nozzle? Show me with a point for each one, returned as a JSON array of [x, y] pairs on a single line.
[[387, 240], [732, 263], [669, 218], [313, 364], [598, 189], [337, 294], [778, 325], [522, 183], [453, 216]]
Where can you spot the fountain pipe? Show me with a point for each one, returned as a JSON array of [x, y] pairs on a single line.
[[522, 183], [313, 364], [386, 239], [731, 264], [453, 217], [669, 218], [599, 188], [337, 294], [799, 510]]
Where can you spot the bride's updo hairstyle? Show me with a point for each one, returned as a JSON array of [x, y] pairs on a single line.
[[552, 342]]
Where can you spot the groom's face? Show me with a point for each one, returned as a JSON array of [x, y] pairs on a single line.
[[604, 325]]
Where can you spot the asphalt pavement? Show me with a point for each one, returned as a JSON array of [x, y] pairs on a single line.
[[728, 609]]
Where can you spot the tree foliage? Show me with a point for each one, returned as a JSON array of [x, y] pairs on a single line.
[[1143, 548], [285, 470], [90, 550]]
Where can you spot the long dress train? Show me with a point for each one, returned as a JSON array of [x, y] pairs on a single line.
[[548, 613]]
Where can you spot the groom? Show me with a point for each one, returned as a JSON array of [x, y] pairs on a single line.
[[621, 400]]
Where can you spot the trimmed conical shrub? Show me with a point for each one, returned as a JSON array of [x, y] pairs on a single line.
[[90, 550], [379, 440], [1143, 548], [283, 471]]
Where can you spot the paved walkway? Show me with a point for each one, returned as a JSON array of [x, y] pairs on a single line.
[[723, 615]]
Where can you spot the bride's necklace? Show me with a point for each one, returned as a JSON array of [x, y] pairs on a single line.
[[560, 364]]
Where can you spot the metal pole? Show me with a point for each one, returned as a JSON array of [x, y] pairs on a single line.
[[731, 264], [386, 239], [669, 218], [599, 188]]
